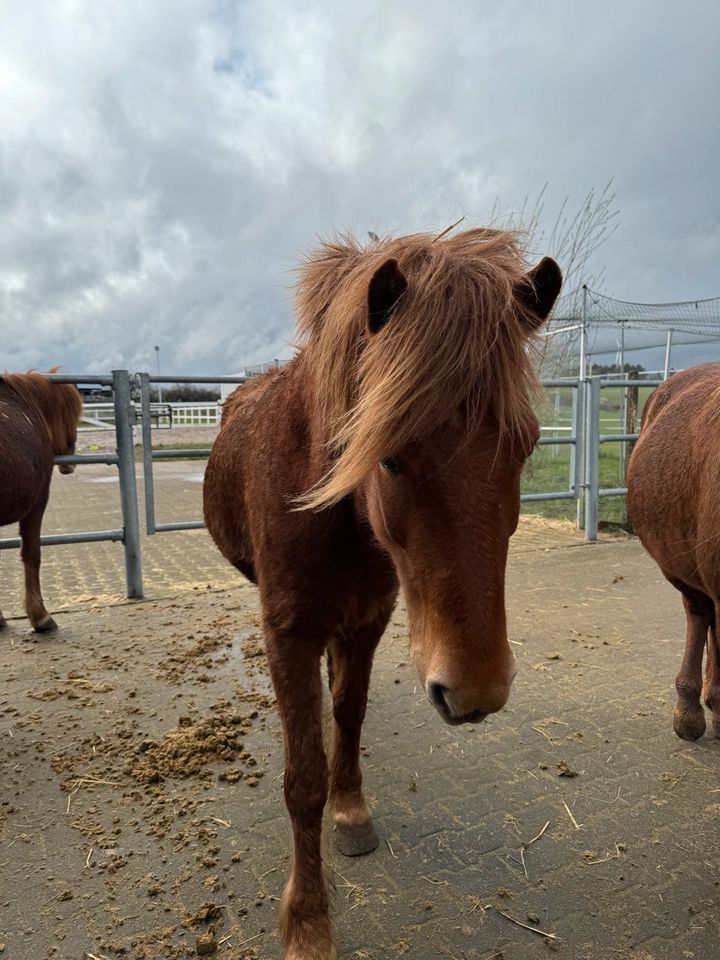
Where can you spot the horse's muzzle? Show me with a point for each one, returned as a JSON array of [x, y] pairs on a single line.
[[437, 695]]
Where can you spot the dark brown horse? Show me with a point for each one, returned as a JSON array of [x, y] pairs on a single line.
[[675, 508], [387, 454], [38, 420]]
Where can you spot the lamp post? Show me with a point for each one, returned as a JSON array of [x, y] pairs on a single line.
[[157, 357]]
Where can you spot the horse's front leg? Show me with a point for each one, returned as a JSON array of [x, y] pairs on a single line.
[[30, 526], [304, 912], [3, 621], [350, 660]]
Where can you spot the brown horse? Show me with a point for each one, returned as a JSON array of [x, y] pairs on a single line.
[[674, 506], [38, 420], [387, 453]]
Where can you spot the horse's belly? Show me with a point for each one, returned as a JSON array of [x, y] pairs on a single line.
[[24, 482], [667, 501], [224, 506]]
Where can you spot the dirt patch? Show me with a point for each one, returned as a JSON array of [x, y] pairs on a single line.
[[186, 750]]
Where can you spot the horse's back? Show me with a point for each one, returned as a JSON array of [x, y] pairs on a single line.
[[26, 458], [672, 477]]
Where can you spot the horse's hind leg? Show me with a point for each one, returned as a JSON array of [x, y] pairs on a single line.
[[30, 525], [711, 687], [689, 715], [3, 621], [304, 911], [349, 664]]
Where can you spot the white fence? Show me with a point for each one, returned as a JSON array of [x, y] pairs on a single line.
[[101, 416]]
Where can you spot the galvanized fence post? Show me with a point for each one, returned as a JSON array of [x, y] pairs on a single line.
[[578, 466], [149, 480], [122, 399], [592, 458]]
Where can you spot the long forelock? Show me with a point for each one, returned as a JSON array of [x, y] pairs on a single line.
[[455, 340]]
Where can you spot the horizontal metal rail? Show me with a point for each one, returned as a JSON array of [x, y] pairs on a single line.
[[109, 458], [554, 441], [630, 383], [617, 437], [180, 525], [567, 384], [82, 379], [201, 454], [57, 539], [158, 379], [555, 495]]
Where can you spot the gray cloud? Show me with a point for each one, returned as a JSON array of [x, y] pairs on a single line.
[[163, 166]]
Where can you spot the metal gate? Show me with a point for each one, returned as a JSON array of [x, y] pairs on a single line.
[[124, 460], [585, 440], [149, 455]]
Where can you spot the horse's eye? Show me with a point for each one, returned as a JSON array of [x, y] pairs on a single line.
[[390, 464]]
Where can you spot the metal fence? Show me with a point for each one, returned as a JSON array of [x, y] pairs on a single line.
[[593, 387], [124, 459], [584, 437], [149, 455]]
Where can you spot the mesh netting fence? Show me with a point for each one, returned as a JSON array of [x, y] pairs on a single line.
[[653, 336]]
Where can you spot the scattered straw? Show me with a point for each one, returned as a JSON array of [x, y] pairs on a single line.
[[86, 782], [569, 813], [243, 942], [223, 823], [448, 229], [537, 836], [525, 926], [610, 856]]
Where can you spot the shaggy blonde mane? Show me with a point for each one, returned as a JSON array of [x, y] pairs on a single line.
[[57, 405], [458, 337]]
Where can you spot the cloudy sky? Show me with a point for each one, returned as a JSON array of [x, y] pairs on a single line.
[[164, 164]]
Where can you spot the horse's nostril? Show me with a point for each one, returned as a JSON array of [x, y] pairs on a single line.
[[436, 695]]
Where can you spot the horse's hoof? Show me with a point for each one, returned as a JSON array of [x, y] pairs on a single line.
[[356, 841], [3, 622], [45, 626], [689, 726]]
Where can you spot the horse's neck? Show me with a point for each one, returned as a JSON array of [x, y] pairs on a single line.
[[306, 396], [40, 405]]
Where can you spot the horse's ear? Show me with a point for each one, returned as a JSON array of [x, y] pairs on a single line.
[[386, 287], [538, 290]]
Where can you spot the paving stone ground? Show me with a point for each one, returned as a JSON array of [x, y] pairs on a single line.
[[100, 859]]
